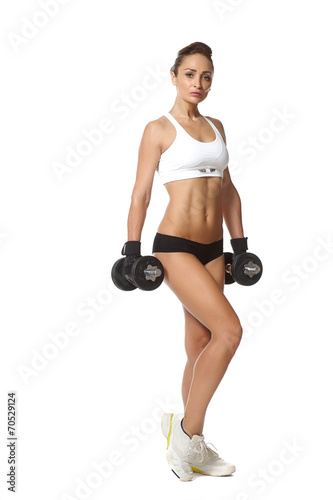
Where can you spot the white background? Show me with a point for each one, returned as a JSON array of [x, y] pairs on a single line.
[[98, 397]]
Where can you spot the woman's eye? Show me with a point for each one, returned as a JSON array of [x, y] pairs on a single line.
[[207, 78]]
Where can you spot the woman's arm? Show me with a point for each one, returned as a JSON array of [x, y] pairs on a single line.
[[231, 207], [149, 155]]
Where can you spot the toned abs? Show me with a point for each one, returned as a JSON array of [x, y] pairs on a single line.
[[194, 210]]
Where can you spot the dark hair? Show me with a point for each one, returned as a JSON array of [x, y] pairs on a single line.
[[193, 48]]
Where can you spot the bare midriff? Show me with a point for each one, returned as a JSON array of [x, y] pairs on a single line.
[[194, 211]]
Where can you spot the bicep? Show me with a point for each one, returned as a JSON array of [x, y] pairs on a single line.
[[148, 158]]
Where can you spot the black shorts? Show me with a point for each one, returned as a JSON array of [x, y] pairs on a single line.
[[205, 252]]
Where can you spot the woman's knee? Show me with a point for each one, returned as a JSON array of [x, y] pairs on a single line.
[[230, 334], [236, 336]]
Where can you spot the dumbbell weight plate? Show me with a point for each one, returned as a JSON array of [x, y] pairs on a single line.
[[148, 273], [246, 269], [118, 279], [228, 261]]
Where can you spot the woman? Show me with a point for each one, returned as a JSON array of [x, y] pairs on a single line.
[[188, 150]]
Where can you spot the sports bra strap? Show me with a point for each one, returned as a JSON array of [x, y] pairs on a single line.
[[174, 121]]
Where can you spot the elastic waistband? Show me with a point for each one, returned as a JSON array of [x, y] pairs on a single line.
[[161, 237]]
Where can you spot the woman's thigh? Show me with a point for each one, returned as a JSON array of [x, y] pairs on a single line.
[[217, 269], [199, 288], [197, 335]]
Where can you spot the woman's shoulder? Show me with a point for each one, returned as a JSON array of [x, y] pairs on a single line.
[[218, 125], [158, 124], [156, 128]]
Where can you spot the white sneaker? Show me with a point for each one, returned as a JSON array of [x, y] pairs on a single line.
[[178, 446], [202, 458], [206, 461]]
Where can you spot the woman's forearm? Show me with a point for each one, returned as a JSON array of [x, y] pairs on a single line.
[[136, 218], [232, 211]]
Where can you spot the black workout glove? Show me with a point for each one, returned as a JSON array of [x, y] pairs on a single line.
[[239, 245], [132, 251]]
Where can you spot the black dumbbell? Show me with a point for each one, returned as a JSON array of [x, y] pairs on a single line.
[[146, 273], [244, 268]]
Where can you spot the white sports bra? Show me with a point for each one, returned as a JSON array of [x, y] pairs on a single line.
[[188, 158]]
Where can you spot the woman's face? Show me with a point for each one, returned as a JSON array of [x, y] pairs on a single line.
[[194, 78]]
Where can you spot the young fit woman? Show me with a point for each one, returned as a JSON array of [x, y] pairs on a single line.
[[189, 152]]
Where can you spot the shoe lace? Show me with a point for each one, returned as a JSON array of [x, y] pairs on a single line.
[[202, 449]]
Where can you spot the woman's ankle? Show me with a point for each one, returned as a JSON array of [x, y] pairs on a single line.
[[189, 430]]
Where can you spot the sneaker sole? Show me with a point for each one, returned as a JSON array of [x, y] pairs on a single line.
[[229, 470]]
